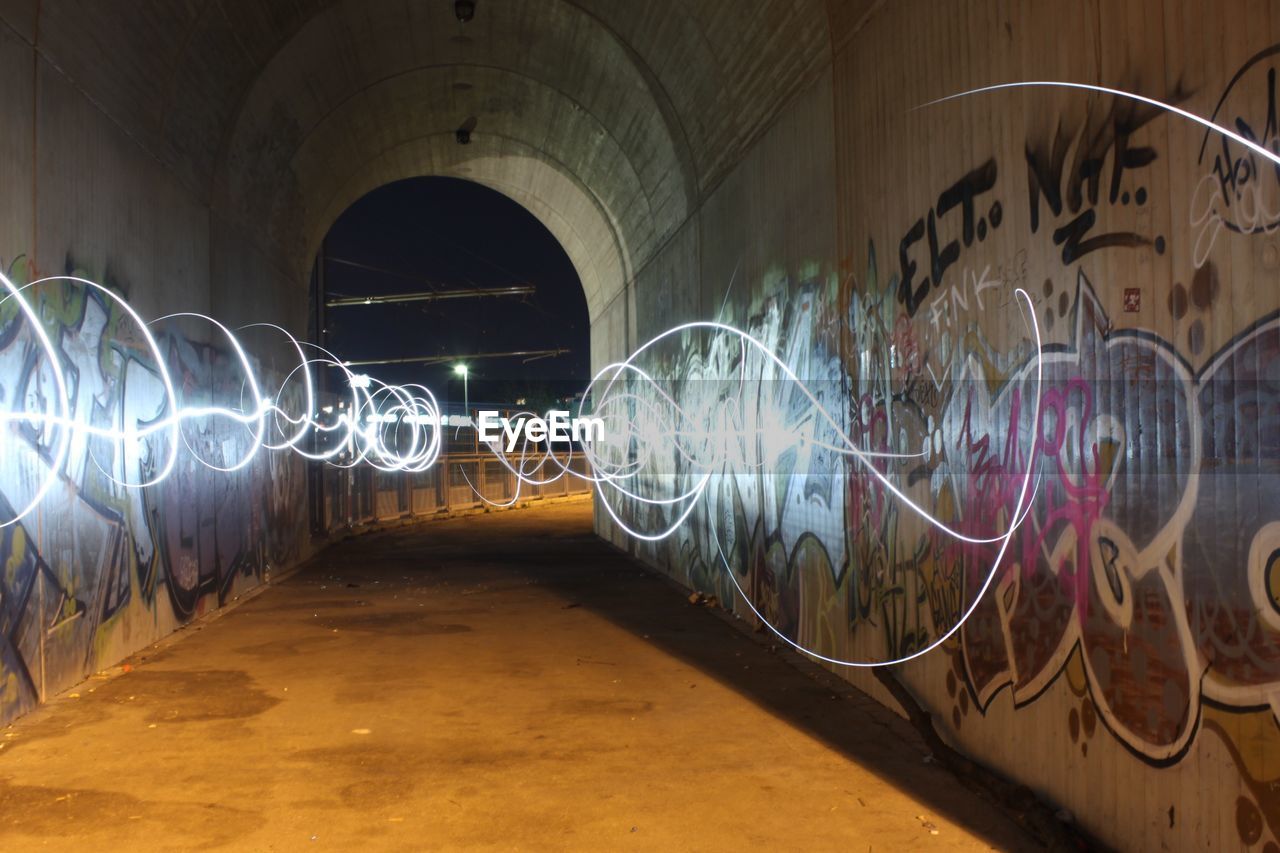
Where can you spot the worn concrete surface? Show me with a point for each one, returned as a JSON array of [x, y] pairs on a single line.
[[497, 682]]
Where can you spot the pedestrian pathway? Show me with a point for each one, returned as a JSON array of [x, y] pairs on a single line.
[[501, 682]]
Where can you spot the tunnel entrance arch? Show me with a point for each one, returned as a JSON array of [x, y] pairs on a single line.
[[571, 214], [423, 274], [447, 285], [610, 122]]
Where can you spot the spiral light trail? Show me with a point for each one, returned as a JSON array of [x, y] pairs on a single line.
[[662, 448]]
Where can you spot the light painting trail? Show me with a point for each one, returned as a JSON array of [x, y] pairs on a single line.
[[398, 428], [661, 451], [355, 433], [737, 393]]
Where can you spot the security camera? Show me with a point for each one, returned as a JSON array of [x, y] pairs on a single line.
[[465, 10], [463, 136]]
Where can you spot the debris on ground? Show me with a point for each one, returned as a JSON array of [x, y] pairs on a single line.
[[927, 824]]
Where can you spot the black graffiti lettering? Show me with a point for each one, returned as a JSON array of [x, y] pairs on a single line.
[[911, 298], [1075, 247], [1128, 158], [1077, 192], [963, 191], [1070, 236], [1227, 172], [1246, 199], [1110, 557], [1087, 175], [941, 259], [1045, 177], [1269, 128], [960, 194], [1042, 179]]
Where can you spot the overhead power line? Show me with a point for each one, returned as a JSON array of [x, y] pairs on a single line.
[[441, 359], [431, 296], [382, 270]]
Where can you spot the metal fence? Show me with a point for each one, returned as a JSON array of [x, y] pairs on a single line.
[[352, 497]]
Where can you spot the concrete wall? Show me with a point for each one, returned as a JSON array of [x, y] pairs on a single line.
[[1126, 662], [763, 165], [99, 570]]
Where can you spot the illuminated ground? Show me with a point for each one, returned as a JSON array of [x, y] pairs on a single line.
[[501, 681]]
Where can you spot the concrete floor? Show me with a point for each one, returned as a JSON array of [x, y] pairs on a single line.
[[503, 682]]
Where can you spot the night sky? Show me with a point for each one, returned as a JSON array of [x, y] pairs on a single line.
[[447, 233]]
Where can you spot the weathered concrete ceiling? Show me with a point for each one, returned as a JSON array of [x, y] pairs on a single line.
[[609, 119]]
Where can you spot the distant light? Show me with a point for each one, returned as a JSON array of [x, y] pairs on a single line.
[[359, 380], [460, 369]]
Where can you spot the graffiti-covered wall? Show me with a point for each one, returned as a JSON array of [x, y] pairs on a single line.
[[99, 566], [99, 569], [1124, 657]]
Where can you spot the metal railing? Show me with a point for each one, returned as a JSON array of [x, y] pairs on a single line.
[[353, 497]]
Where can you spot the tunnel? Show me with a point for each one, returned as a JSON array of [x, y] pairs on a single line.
[[934, 355]]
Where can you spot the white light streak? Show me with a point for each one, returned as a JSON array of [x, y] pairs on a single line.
[[398, 428]]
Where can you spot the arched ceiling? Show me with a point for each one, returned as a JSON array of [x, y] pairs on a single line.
[[608, 119]]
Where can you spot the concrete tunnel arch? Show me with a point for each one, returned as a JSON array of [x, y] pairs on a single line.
[[600, 169], [606, 121]]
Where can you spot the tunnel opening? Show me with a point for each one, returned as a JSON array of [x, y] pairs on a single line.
[[452, 291], [427, 275]]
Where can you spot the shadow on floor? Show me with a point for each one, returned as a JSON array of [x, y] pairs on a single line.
[[564, 557]]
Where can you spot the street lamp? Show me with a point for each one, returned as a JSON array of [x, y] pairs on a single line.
[[461, 370]]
